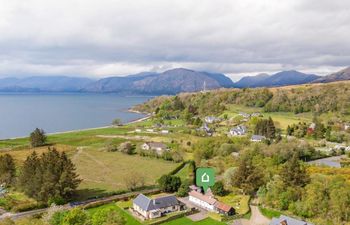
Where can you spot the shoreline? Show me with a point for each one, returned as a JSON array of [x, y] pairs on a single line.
[[146, 116]]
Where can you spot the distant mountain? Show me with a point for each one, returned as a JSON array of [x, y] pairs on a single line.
[[251, 81], [43, 84], [169, 82], [338, 76], [283, 78]]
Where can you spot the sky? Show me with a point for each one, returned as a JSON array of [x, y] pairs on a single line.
[[100, 38]]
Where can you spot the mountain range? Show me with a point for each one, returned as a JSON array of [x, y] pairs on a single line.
[[283, 78], [169, 82]]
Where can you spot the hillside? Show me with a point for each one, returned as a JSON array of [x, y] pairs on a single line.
[[169, 82], [338, 76], [317, 98], [283, 78]]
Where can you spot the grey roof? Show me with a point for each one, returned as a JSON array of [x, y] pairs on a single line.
[[156, 145], [289, 220], [148, 204], [257, 137]]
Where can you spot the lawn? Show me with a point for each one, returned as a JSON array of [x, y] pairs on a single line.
[[184, 173], [269, 213], [130, 220], [107, 170], [239, 202]]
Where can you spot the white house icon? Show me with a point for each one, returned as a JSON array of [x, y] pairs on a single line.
[[205, 178]]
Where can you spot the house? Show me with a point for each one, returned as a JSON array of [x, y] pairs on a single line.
[[206, 129], [238, 131], [311, 128], [159, 147], [211, 119], [245, 115], [208, 202], [256, 114], [257, 138], [153, 208], [164, 131], [346, 126], [150, 130], [285, 220], [138, 130]]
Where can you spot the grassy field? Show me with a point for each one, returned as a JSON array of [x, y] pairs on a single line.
[[107, 170], [282, 119]]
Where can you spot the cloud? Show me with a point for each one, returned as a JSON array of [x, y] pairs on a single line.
[[114, 37]]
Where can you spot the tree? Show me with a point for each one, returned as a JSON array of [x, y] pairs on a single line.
[[117, 122], [247, 176], [76, 216], [133, 180], [37, 138], [184, 189], [169, 183], [270, 129], [29, 179], [126, 147], [218, 189], [7, 169], [293, 173], [50, 178], [107, 216]]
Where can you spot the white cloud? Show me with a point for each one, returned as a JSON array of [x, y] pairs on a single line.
[[114, 37]]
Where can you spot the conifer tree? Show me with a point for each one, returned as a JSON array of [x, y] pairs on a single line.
[[7, 169], [293, 173], [37, 138]]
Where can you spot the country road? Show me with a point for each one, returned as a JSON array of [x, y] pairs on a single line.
[[20, 215]]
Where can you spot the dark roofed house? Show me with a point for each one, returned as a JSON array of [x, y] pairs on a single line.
[[285, 220], [153, 208]]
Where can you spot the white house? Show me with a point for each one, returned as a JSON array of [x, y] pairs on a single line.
[[164, 131], [150, 130], [211, 119], [159, 147], [238, 131], [138, 130], [154, 208], [208, 202], [245, 115]]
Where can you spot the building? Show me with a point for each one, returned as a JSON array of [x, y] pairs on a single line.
[[138, 130], [311, 128], [206, 129], [285, 220], [211, 119], [256, 114], [208, 202], [245, 115], [153, 208], [164, 131], [257, 138], [159, 147], [238, 131]]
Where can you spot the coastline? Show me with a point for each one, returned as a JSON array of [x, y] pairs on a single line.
[[146, 116]]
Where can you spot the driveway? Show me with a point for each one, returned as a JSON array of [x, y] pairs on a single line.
[[256, 218], [201, 215]]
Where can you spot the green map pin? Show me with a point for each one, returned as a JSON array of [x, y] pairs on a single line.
[[205, 177]]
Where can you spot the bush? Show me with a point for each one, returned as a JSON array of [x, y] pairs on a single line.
[[37, 138]]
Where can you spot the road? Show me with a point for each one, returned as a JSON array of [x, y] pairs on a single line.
[[255, 219], [112, 198]]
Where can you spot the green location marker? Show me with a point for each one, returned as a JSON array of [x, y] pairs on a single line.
[[205, 177]]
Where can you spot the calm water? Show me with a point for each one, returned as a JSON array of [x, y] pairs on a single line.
[[22, 113]]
